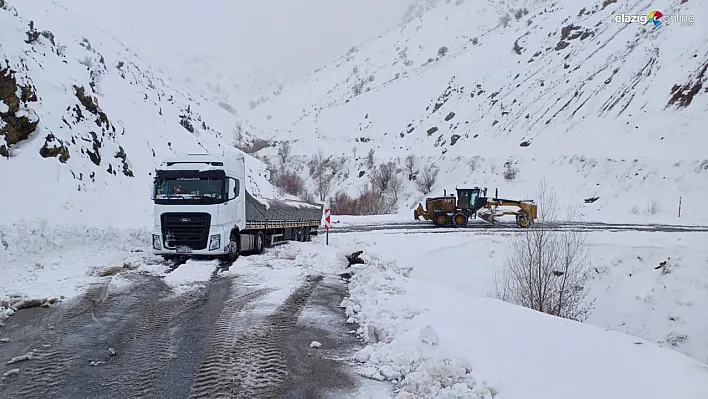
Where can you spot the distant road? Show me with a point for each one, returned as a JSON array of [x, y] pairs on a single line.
[[414, 226]]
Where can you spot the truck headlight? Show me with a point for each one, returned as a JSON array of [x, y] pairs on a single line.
[[215, 242], [156, 241]]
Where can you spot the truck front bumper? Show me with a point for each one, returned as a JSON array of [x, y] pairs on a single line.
[[217, 245]]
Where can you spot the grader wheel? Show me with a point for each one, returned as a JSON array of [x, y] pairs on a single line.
[[524, 220], [460, 220], [441, 219]]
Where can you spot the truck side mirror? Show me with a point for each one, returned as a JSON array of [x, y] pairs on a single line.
[[152, 190]]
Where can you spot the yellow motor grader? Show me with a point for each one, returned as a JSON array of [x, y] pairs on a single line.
[[455, 211]]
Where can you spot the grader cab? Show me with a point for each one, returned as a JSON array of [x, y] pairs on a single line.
[[456, 211]]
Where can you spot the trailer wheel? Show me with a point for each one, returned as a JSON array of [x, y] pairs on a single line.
[[260, 242], [234, 248], [308, 238], [298, 235]]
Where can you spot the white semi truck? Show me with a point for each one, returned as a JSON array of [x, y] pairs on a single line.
[[202, 209]]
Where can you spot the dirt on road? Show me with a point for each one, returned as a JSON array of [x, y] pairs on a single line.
[[211, 342]]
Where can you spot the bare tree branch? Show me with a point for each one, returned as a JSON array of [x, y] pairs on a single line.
[[547, 268]]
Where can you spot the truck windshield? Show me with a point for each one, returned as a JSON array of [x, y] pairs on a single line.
[[190, 190]]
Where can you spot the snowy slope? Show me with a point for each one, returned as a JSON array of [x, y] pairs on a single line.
[[565, 93], [435, 342], [85, 121], [666, 306]]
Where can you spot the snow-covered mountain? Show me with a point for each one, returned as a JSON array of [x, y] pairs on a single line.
[[84, 121], [239, 52], [555, 90]]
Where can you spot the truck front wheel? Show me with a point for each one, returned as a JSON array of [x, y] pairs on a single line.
[[234, 248]]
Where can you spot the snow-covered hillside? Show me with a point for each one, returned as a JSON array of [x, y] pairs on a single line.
[[558, 90], [84, 121]]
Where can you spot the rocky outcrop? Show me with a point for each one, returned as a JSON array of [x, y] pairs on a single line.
[[17, 121]]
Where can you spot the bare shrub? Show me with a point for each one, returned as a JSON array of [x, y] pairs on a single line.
[[368, 202], [381, 177], [475, 41], [343, 204], [442, 51], [547, 268], [518, 14], [370, 159], [321, 171], [395, 188], [87, 62], [307, 196], [289, 182], [410, 165], [284, 150], [338, 166], [510, 171], [372, 203], [254, 146], [427, 179], [652, 208], [473, 162], [504, 20]]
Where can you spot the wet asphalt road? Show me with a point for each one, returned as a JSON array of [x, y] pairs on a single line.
[[145, 342], [427, 227]]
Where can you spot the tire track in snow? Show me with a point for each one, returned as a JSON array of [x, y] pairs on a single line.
[[150, 345], [252, 365], [46, 372], [209, 381]]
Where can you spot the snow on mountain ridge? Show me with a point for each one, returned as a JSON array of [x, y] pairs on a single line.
[[560, 90], [99, 122]]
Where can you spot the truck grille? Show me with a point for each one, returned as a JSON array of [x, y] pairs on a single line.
[[185, 229]]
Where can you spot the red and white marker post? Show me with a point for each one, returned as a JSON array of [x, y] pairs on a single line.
[[327, 226]]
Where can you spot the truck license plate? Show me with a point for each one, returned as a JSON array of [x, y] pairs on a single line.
[[184, 250]]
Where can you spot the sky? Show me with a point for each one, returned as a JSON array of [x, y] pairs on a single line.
[[288, 39]]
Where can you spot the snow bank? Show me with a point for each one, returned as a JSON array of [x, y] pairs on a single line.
[[632, 296], [40, 260], [434, 342]]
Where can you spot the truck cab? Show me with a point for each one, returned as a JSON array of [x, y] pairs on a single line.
[[199, 202]]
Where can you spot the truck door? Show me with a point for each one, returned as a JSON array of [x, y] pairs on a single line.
[[233, 209]]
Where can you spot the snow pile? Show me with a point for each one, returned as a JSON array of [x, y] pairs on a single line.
[[293, 258], [544, 89], [191, 275], [434, 342], [39, 260], [400, 348]]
